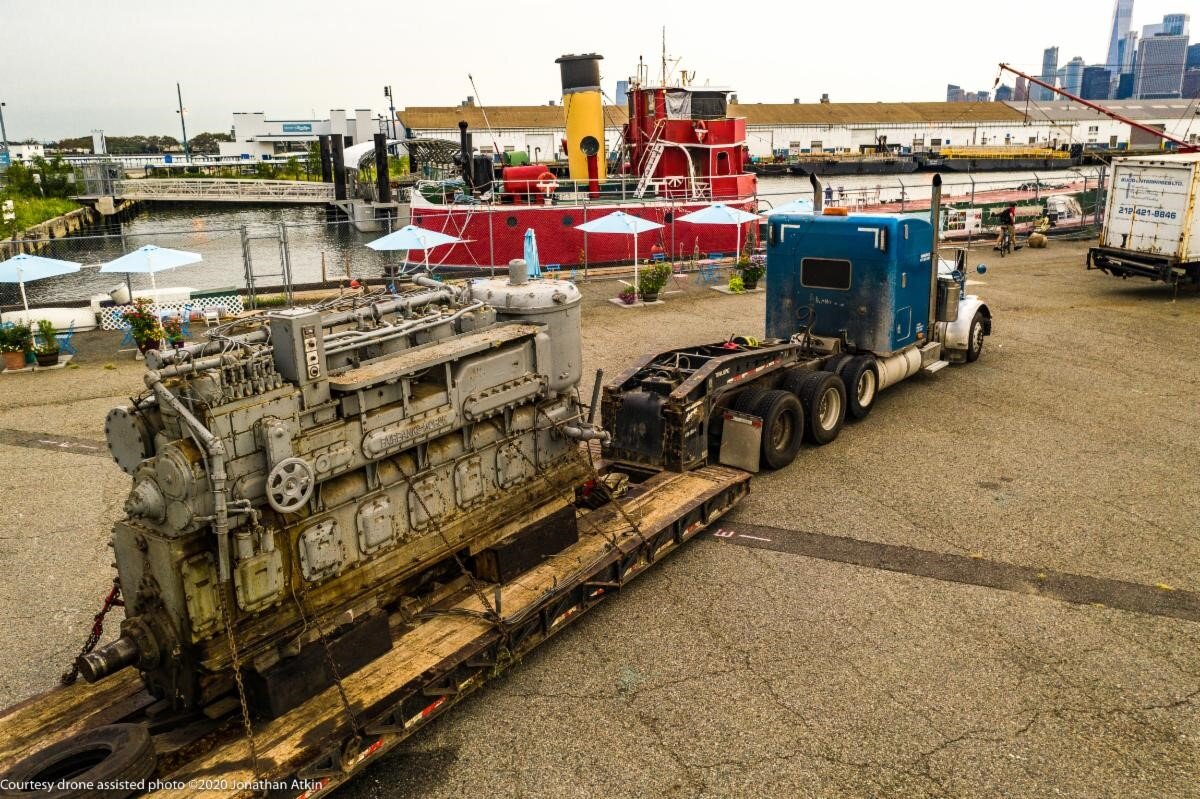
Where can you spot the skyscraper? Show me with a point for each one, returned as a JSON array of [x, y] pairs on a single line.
[[1049, 73], [1004, 92], [1021, 92], [1096, 83], [1193, 57], [1122, 14], [1175, 25], [1073, 75], [1127, 55], [954, 94], [1159, 71]]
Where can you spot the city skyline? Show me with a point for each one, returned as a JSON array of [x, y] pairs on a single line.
[[285, 65]]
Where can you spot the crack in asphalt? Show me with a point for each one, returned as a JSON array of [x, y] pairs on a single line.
[[56, 442], [1049, 583]]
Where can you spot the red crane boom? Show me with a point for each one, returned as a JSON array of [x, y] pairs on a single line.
[[1184, 147]]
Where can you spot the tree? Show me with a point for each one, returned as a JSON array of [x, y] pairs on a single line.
[[208, 143]]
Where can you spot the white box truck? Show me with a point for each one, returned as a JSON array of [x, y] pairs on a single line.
[[1152, 222]]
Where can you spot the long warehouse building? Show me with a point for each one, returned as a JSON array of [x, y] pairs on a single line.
[[782, 129]]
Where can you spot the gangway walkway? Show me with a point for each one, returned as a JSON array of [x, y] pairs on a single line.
[[219, 190]]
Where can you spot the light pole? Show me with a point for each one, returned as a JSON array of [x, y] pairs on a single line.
[[182, 123], [387, 92], [3, 132]]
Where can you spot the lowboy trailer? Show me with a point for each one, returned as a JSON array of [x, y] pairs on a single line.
[[854, 306]]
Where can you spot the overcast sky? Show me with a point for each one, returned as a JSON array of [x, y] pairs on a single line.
[[68, 66]]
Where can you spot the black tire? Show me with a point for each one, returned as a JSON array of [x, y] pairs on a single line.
[[783, 427], [792, 379], [823, 396], [122, 752], [860, 376], [975, 338], [748, 400], [836, 363]]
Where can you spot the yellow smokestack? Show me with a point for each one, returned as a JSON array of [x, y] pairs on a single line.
[[584, 108]]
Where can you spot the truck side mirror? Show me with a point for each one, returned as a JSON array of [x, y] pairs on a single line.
[[981, 269]]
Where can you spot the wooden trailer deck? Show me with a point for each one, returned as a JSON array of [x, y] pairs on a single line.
[[431, 666]]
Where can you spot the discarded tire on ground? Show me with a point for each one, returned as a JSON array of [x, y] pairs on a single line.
[[116, 753]]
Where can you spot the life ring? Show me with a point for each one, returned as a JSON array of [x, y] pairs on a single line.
[[547, 182], [701, 128]]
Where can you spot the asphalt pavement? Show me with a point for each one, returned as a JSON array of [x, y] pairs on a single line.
[[988, 588]]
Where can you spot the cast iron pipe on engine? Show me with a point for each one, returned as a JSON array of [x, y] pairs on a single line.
[[110, 658], [374, 311], [216, 465]]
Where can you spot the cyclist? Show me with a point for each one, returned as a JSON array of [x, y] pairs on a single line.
[[1008, 220]]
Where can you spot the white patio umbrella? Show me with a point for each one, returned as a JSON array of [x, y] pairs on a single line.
[[793, 207], [722, 214], [23, 268], [621, 222], [411, 237], [150, 259]]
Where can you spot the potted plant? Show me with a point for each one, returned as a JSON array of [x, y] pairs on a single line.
[[750, 271], [651, 281], [173, 331], [14, 341], [628, 296], [736, 285], [144, 325], [47, 349]]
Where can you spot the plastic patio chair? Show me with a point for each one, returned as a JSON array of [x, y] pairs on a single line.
[[124, 326], [185, 321], [63, 337]]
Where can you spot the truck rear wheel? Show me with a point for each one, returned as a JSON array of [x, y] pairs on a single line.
[[823, 396], [836, 363], [861, 377], [783, 427]]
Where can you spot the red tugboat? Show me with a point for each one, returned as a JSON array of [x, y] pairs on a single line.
[[680, 153]]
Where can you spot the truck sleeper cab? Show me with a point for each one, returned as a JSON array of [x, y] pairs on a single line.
[[847, 315]]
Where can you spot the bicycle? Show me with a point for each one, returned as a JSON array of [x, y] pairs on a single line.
[[1006, 241]]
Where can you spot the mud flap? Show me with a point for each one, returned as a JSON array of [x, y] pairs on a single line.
[[741, 441]]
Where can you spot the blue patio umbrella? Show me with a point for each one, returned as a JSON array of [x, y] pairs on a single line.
[[23, 268], [531, 254], [621, 222], [722, 214], [411, 237], [150, 259]]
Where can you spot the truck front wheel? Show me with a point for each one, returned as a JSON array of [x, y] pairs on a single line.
[[783, 427], [823, 396], [975, 338]]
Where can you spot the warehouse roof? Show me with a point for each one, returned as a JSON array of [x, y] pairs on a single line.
[[427, 118], [500, 116], [550, 116], [873, 113], [1133, 109]]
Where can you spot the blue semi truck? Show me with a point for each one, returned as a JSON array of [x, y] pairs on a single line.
[[854, 305]]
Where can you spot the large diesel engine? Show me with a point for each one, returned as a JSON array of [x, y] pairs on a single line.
[[304, 473]]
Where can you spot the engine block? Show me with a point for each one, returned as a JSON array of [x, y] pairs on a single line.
[[323, 464]]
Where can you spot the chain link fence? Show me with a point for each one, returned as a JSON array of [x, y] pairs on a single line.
[[269, 250]]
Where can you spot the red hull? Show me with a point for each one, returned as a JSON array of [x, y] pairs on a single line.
[[496, 234]]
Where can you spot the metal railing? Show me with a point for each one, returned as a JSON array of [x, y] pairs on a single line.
[[218, 190]]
